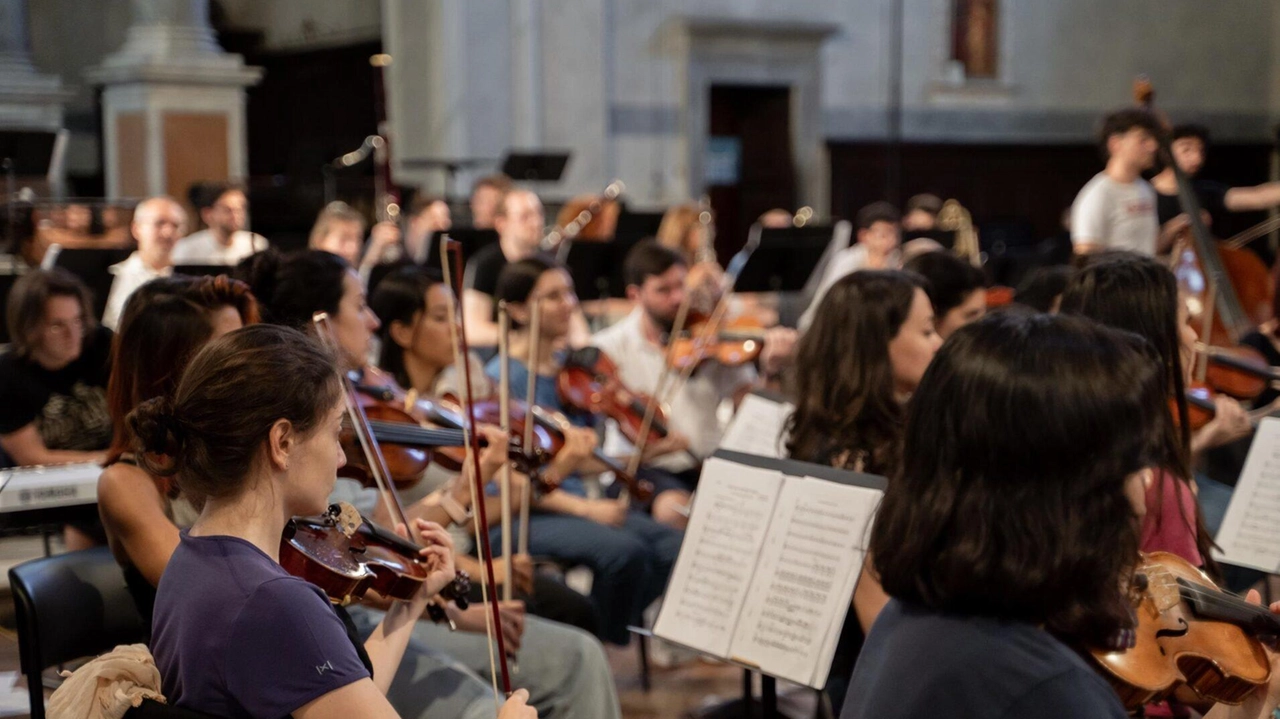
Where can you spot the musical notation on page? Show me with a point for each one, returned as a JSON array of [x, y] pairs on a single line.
[[758, 427], [808, 568], [1250, 532], [713, 572]]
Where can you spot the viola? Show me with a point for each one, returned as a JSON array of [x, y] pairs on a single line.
[[346, 556], [707, 344], [1189, 632]]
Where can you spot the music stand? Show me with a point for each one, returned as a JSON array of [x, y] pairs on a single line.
[[546, 166], [596, 269], [92, 266], [635, 226], [785, 259]]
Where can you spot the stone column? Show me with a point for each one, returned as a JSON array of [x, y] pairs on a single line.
[[29, 99], [173, 103]]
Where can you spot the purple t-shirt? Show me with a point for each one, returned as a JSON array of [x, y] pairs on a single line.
[[234, 635]]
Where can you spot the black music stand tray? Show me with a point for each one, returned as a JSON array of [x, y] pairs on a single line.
[[785, 259], [204, 270], [93, 267], [471, 239], [596, 269], [545, 166]]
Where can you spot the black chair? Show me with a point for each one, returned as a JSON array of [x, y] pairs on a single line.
[[70, 606]]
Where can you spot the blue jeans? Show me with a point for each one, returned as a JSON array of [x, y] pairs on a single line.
[[1214, 496], [629, 565]]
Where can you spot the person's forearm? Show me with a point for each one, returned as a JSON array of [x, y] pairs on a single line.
[[387, 643], [1259, 197], [482, 332], [563, 503]]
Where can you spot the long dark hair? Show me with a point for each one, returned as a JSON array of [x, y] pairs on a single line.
[[210, 432], [1011, 498], [162, 326], [292, 288], [400, 297], [517, 280], [842, 382], [1138, 294]]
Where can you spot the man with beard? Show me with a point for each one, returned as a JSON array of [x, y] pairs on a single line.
[[655, 277]]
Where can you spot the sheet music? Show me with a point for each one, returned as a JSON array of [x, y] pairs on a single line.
[[713, 572], [1250, 532], [804, 583], [757, 427]]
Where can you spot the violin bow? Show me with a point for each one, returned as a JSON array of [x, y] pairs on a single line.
[[458, 332], [535, 337], [360, 422], [504, 407]]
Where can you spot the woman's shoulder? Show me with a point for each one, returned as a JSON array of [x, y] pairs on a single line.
[[123, 484]]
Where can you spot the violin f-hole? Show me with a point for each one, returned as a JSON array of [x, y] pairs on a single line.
[[1181, 631]]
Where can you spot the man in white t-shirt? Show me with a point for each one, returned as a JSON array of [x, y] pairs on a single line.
[[655, 277], [224, 208], [158, 222], [1116, 210]]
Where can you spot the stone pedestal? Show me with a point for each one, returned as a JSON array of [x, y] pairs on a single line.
[[173, 103]]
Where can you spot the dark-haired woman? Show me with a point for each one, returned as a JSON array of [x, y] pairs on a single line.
[[252, 434], [416, 349], [629, 554], [957, 290], [1140, 295], [870, 342], [563, 668], [164, 323], [1007, 544], [53, 376]]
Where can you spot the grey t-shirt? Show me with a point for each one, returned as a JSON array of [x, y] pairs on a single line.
[[1116, 215], [919, 664]]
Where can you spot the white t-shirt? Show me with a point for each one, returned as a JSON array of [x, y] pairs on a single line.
[[693, 411], [130, 275], [201, 248], [1116, 215], [845, 262]]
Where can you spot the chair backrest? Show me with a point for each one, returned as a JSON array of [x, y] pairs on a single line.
[[69, 606]]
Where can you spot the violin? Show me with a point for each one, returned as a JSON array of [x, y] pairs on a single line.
[[1189, 632], [346, 556], [705, 344], [1241, 372], [588, 382], [554, 424], [1201, 408]]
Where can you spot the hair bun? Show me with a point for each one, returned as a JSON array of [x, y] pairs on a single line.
[[157, 430], [260, 271]]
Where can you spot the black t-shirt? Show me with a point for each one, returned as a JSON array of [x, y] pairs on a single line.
[[484, 268], [928, 664], [69, 406], [1211, 195]]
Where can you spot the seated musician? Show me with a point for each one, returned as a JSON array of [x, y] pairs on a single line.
[[53, 376], [997, 587], [427, 215], [251, 434], [486, 194], [340, 229], [519, 220], [226, 239], [655, 277], [1140, 295], [876, 247], [957, 290], [413, 305], [629, 554], [564, 668], [158, 222], [857, 365]]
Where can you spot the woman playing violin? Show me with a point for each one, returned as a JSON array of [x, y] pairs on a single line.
[[1138, 294], [413, 305], [562, 667], [251, 433], [871, 339], [1007, 544], [629, 554]]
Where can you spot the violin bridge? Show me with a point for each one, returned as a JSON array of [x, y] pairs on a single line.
[[345, 517]]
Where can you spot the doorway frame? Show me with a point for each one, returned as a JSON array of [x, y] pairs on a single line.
[[724, 51]]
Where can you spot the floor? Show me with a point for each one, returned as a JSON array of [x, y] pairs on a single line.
[[691, 685]]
